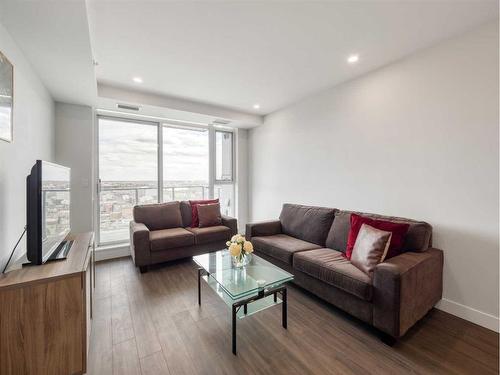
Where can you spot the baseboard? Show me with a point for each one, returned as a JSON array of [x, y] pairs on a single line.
[[468, 313], [111, 252]]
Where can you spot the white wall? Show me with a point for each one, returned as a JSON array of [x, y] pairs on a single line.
[[74, 145], [242, 178], [417, 138], [33, 139]]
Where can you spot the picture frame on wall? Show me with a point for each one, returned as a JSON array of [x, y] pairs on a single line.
[[6, 98]]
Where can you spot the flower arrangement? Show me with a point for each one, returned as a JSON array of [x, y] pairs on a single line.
[[240, 249]]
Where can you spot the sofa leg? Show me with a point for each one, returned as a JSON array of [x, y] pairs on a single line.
[[143, 269], [387, 339]]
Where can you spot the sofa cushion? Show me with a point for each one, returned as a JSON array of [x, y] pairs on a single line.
[[209, 215], [164, 239], [159, 216], [194, 209], [339, 232], [211, 234], [186, 213], [371, 248], [281, 246], [307, 223], [398, 231], [418, 238], [331, 267]]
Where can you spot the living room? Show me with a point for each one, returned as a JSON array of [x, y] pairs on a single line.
[[249, 187]]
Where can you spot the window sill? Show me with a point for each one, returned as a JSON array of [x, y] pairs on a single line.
[[112, 251]]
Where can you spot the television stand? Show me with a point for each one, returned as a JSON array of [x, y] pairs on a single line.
[[45, 313]]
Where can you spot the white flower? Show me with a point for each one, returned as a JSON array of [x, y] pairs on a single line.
[[240, 239], [235, 249], [248, 247], [228, 243], [235, 237]]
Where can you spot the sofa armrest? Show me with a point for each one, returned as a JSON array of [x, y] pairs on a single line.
[[230, 222], [139, 244], [263, 228], [406, 287]]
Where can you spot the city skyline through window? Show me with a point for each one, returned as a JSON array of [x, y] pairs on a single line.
[[128, 172], [129, 164]]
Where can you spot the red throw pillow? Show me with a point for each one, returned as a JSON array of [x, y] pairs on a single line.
[[398, 231], [194, 210]]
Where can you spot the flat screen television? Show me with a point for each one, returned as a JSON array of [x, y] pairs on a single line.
[[48, 212]]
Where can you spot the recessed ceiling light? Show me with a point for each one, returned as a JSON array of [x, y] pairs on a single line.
[[353, 59], [137, 79], [256, 106]]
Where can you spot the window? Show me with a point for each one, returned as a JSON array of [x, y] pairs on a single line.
[[142, 162], [128, 174], [225, 193], [223, 156], [185, 163]]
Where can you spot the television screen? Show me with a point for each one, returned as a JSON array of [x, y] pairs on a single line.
[[48, 210], [55, 206]]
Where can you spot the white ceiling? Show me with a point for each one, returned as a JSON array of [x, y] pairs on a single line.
[[171, 108], [236, 54], [228, 54], [54, 36]]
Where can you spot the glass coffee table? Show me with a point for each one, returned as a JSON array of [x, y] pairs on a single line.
[[246, 290]]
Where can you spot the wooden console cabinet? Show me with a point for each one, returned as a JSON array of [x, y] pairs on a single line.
[[45, 313]]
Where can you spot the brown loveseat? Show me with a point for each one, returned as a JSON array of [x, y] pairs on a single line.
[[309, 242], [163, 232]]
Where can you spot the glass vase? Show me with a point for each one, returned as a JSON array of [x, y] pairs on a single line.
[[242, 260]]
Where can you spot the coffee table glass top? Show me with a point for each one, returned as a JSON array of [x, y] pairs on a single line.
[[241, 282]]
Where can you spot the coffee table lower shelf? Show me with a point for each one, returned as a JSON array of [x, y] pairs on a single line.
[[248, 305]]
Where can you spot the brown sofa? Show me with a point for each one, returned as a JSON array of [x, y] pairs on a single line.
[[309, 242], [163, 232]]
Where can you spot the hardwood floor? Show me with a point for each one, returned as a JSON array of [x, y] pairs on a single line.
[[151, 324]]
